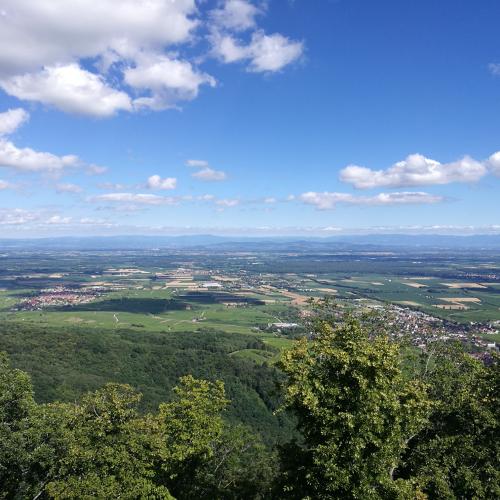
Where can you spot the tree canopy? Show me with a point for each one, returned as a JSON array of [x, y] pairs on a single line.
[[370, 425]]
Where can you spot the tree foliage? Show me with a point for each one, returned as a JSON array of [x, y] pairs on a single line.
[[457, 454], [101, 447], [356, 412], [371, 424]]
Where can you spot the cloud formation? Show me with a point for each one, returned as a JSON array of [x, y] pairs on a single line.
[[11, 120], [69, 88], [197, 163], [96, 59], [27, 159], [156, 182], [415, 170], [210, 175], [206, 172], [139, 198], [494, 163], [167, 80], [237, 15], [263, 53], [328, 201], [17, 216]]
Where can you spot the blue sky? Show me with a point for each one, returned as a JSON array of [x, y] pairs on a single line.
[[239, 117]]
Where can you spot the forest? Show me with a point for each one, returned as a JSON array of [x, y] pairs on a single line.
[[365, 418]]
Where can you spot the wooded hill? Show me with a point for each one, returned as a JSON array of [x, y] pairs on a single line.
[[370, 424]]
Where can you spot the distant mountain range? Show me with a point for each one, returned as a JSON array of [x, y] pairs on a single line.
[[340, 242]]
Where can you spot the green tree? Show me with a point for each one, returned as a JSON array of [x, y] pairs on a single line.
[[241, 467], [105, 452], [356, 411], [186, 431], [16, 407], [457, 455], [101, 447]]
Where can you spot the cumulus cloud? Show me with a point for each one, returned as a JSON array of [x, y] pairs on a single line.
[[264, 53], [328, 201], [47, 32], [142, 199], [44, 46], [69, 88], [156, 182], [206, 172], [237, 15], [167, 80], [210, 175], [68, 188], [29, 160], [415, 170], [95, 59], [493, 163], [197, 163], [12, 119]]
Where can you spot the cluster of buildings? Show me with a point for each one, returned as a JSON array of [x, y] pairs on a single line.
[[422, 328], [55, 297]]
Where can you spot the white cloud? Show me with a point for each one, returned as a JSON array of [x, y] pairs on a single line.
[[167, 80], [237, 15], [493, 163], [12, 119], [28, 160], [228, 49], [69, 88], [227, 203], [270, 200], [209, 175], [58, 220], [273, 52], [197, 163], [328, 201], [206, 172], [4, 185], [17, 216], [264, 53], [415, 170], [95, 58], [47, 32], [68, 188], [156, 182], [44, 43], [143, 199]]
